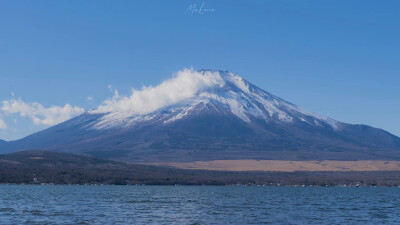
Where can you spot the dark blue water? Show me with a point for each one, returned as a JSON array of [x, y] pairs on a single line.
[[197, 205]]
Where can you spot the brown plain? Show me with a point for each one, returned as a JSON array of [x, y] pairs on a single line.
[[287, 166]]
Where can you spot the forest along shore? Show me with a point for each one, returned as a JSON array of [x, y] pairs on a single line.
[[44, 167]]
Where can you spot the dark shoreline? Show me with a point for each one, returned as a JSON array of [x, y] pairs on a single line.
[[199, 185], [42, 167]]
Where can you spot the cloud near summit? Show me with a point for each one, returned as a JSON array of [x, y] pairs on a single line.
[[184, 85]]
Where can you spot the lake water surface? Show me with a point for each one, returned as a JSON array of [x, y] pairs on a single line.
[[197, 205]]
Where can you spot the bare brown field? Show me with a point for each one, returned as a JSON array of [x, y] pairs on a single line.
[[287, 166]]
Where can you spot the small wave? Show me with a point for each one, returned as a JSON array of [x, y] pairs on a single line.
[[7, 210]]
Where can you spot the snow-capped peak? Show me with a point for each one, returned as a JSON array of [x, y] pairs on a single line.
[[177, 97]]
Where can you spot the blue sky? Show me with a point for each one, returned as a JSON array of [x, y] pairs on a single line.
[[336, 58]]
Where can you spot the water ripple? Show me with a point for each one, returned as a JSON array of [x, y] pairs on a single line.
[[197, 205]]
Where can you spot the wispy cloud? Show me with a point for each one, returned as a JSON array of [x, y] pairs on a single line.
[[185, 84], [39, 114], [3, 125]]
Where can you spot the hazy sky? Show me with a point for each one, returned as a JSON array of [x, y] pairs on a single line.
[[336, 58]]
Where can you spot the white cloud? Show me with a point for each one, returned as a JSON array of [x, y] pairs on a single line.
[[90, 98], [39, 114], [184, 85], [3, 125]]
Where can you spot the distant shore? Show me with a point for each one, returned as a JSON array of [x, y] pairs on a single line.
[[44, 167], [228, 185]]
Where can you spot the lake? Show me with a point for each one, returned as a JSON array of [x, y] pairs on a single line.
[[35, 204]]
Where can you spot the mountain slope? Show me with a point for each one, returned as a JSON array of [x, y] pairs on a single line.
[[2, 144], [208, 115]]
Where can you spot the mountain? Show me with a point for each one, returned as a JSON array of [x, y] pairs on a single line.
[[208, 115]]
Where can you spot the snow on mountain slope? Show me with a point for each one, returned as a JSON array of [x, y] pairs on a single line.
[[177, 97]]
